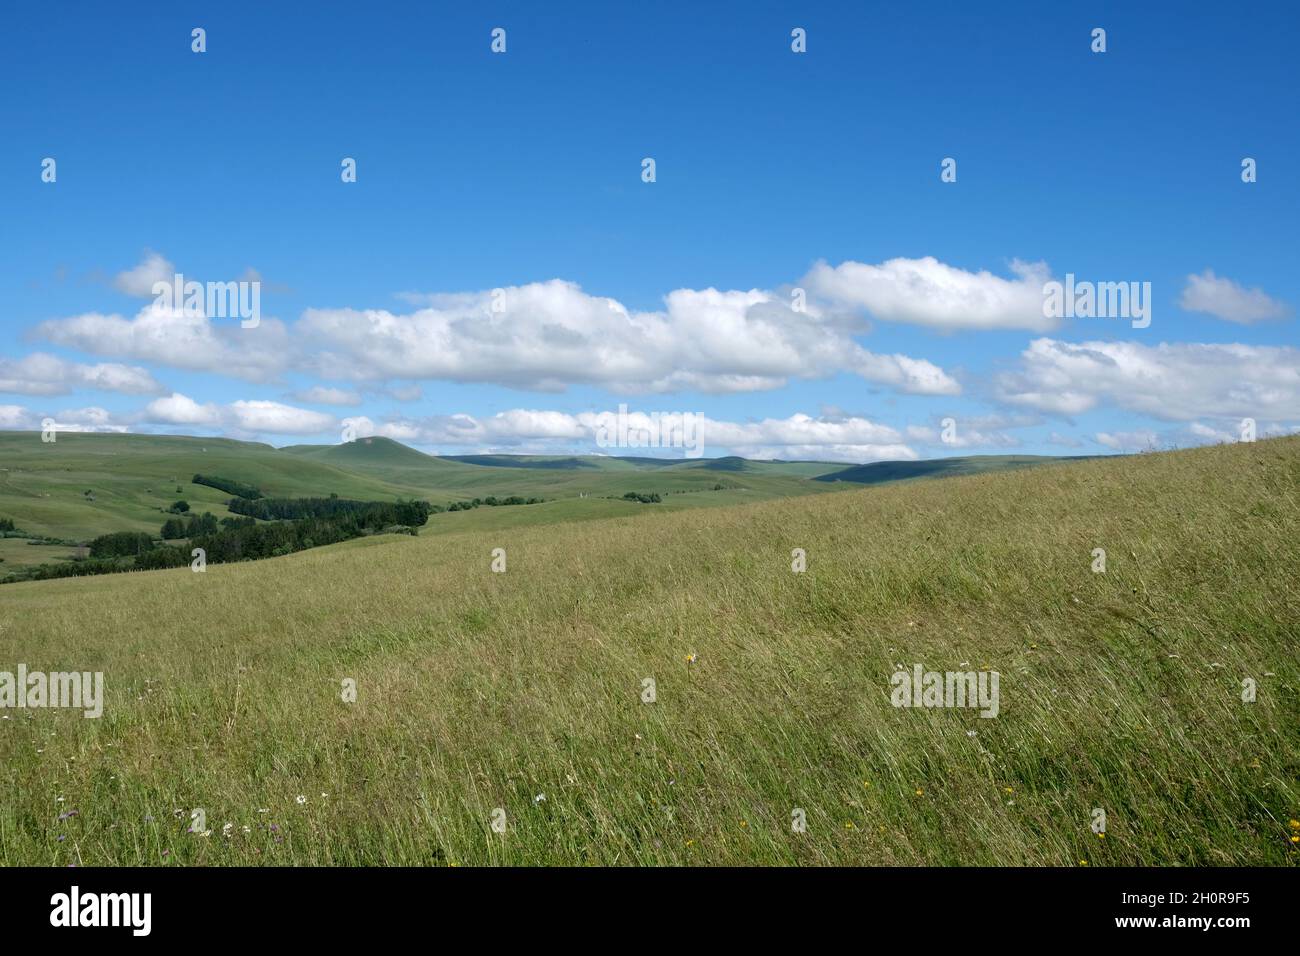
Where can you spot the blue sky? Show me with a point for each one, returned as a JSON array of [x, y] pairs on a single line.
[[522, 172]]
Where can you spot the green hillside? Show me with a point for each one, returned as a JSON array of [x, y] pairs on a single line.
[[523, 692], [133, 479], [883, 471]]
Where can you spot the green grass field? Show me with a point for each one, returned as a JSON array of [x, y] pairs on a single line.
[[522, 691], [134, 479]]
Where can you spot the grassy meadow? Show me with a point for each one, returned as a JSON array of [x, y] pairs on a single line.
[[134, 479], [523, 690]]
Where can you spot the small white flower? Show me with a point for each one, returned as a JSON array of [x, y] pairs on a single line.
[[301, 799], [540, 798]]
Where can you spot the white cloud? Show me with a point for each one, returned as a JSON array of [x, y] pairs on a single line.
[[1143, 440], [549, 335], [1172, 382], [44, 374], [321, 395], [179, 340], [178, 409], [242, 416], [544, 336], [15, 417], [1065, 441], [93, 419], [1211, 434], [1225, 299], [139, 280], [931, 293], [263, 416], [851, 439]]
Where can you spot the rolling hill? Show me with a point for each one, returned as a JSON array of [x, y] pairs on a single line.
[[882, 471], [133, 479], [522, 695]]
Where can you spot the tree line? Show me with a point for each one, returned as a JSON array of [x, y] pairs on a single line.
[[491, 501], [236, 539], [366, 514], [228, 485]]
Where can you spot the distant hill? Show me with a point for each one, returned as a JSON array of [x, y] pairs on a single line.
[[882, 471], [368, 451], [774, 687], [524, 461], [86, 484], [133, 479]]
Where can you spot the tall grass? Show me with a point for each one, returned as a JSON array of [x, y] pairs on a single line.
[[523, 690]]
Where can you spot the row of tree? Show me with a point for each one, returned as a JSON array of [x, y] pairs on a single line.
[[190, 525], [228, 485], [373, 515], [235, 539], [645, 499], [492, 501]]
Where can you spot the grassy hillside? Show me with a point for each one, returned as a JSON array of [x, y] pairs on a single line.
[[882, 471], [133, 479], [522, 690]]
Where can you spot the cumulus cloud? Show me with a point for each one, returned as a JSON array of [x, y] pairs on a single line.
[[243, 416], [14, 416], [800, 436], [1211, 434], [932, 293], [549, 335], [273, 417], [1142, 440], [178, 409], [1225, 299], [180, 413], [177, 339], [971, 431], [321, 395], [93, 419], [1171, 382], [44, 374], [139, 280], [543, 336]]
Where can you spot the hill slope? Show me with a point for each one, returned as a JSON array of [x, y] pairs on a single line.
[[524, 690], [133, 479], [882, 471]]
